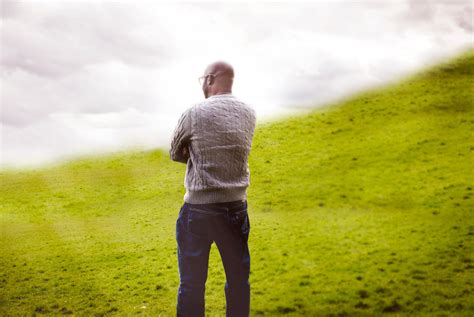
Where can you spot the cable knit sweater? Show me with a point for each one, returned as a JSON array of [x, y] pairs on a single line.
[[214, 138]]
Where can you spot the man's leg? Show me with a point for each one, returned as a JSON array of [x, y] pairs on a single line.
[[233, 247], [193, 258]]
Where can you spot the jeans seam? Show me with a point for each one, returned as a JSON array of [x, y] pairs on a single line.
[[205, 211]]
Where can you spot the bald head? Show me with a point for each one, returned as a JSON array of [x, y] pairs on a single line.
[[221, 67], [220, 79]]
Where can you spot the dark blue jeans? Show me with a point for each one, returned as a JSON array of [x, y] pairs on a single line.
[[197, 227]]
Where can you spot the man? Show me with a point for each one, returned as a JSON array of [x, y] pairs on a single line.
[[214, 139]]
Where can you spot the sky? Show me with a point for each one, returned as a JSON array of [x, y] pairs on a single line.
[[88, 77]]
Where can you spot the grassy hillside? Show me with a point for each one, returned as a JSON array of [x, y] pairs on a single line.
[[359, 208]]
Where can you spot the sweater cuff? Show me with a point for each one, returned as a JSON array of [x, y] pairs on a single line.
[[215, 195]]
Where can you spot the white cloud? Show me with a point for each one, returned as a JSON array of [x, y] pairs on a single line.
[[83, 77]]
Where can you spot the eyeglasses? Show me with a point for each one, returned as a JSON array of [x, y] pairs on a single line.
[[202, 78]]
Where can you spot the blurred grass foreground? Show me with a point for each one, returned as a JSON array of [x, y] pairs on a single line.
[[359, 208]]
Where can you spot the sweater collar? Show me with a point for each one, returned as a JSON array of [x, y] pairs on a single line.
[[228, 94]]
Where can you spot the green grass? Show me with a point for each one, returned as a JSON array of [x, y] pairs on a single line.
[[360, 208]]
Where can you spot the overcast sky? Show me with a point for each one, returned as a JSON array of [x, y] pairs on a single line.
[[85, 77]]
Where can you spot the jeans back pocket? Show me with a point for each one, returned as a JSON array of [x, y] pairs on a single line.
[[240, 223]]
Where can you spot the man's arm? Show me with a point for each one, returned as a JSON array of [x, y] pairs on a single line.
[[181, 136]]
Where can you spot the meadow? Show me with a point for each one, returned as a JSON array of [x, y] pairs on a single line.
[[363, 207]]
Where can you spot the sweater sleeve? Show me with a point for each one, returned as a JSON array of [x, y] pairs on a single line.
[[181, 138]]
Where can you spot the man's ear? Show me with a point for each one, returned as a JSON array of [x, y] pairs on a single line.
[[210, 80]]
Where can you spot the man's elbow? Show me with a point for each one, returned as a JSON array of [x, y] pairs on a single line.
[[177, 158], [180, 160], [173, 155]]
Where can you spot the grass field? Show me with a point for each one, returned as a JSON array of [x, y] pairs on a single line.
[[359, 208]]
